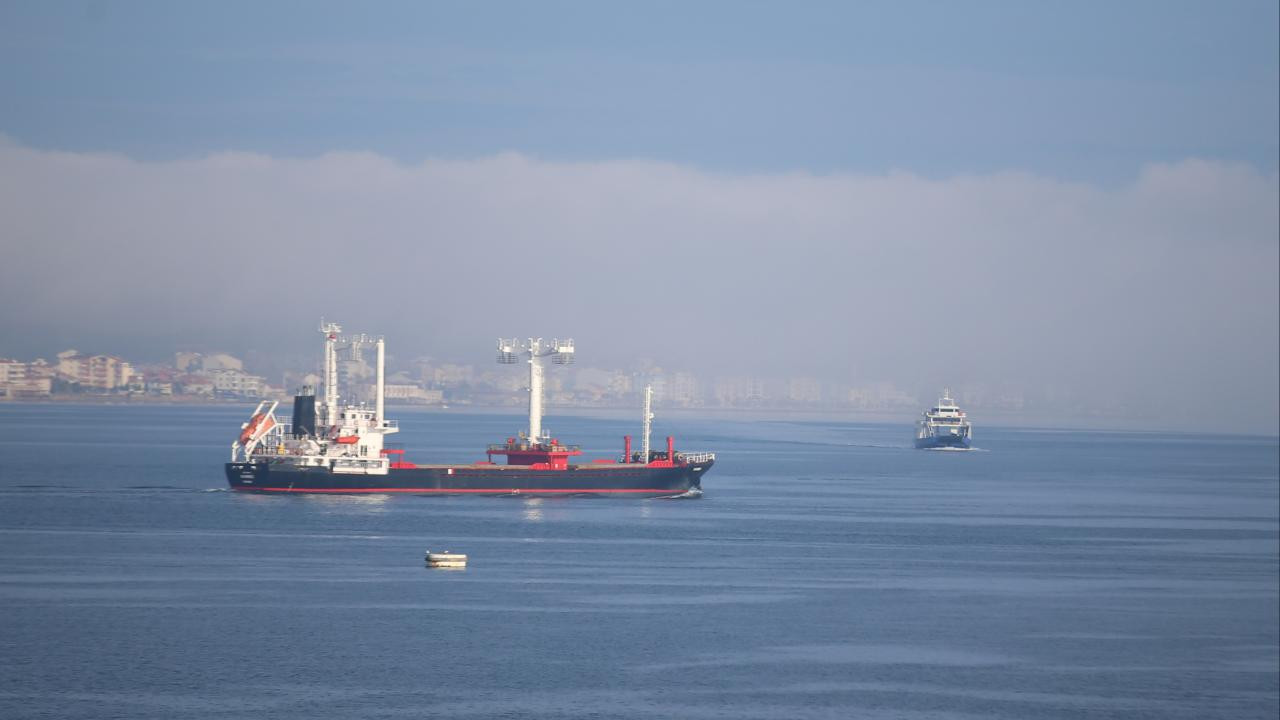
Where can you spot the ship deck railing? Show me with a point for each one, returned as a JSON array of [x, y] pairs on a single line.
[[284, 425], [696, 457], [503, 448]]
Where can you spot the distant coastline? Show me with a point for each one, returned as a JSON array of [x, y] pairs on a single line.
[[1000, 420]]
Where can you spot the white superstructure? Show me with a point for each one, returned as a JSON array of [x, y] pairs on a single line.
[[345, 439]]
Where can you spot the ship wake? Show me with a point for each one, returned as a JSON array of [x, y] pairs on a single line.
[[689, 494]]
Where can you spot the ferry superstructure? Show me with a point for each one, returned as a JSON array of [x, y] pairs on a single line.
[[944, 425], [333, 448]]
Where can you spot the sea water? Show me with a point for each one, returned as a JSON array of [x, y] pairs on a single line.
[[829, 571]]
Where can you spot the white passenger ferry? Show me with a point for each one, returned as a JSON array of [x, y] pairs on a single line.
[[944, 425]]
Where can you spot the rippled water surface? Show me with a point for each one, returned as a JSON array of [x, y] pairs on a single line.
[[828, 572]]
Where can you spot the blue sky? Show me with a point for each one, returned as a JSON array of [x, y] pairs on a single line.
[[1079, 90]]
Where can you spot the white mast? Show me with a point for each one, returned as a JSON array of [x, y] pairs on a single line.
[[331, 331], [380, 392], [535, 391], [561, 353], [647, 422]]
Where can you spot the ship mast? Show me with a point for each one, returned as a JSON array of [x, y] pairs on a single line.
[[535, 349], [380, 393], [330, 331], [647, 422]]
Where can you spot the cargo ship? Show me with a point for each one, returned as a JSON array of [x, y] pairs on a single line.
[[328, 447], [944, 425]]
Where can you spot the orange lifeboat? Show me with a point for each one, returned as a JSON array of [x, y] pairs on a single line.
[[257, 426], [347, 439]]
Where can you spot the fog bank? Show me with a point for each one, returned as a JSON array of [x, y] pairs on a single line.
[[1156, 297]]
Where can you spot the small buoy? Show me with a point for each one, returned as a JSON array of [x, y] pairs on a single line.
[[446, 560]]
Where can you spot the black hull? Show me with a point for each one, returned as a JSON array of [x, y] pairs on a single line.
[[624, 480]]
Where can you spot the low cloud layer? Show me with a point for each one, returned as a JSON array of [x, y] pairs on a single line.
[[1159, 294]]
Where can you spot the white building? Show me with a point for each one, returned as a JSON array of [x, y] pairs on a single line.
[[104, 372], [220, 361], [806, 391], [413, 393], [19, 380], [237, 383]]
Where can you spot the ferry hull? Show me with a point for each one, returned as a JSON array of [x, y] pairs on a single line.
[[625, 480], [942, 441]]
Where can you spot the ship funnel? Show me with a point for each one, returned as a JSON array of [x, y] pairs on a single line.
[[304, 412]]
